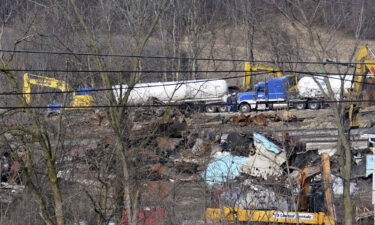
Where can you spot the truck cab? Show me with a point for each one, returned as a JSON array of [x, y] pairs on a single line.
[[267, 95]]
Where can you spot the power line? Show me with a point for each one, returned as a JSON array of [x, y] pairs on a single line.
[[135, 87], [172, 84], [152, 71], [163, 105], [170, 71], [172, 57], [116, 55], [122, 71]]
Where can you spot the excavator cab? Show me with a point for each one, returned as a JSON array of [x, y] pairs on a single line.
[[82, 97], [371, 143]]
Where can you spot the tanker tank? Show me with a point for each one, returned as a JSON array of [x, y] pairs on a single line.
[[207, 91], [308, 88]]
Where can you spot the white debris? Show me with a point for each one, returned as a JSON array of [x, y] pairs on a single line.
[[338, 187], [198, 146], [254, 196], [267, 159]]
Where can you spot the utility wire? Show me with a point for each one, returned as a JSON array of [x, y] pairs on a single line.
[[119, 71], [170, 71], [163, 105], [157, 84], [171, 57], [151, 71]]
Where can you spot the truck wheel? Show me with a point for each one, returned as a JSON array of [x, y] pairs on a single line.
[[223, 108], [211, 108], [300, 105], [245, 108], [313, 105]]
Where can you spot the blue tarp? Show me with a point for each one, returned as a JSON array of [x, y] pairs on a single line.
[[222, 167], [266, 143], [369, 165]]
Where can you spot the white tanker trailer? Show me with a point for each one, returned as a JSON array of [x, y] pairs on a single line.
[[308, 88], [210, 93]]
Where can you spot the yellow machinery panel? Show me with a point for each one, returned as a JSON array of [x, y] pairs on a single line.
[[218, 215], [81, 101]]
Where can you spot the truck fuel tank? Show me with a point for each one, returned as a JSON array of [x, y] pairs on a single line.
[[280, 106]]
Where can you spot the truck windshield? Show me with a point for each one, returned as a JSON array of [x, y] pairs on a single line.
[[261, 89], [291, 81]]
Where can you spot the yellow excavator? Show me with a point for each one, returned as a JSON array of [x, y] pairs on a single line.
[[234, 214], [365, 67], [80, 98], [249, 70]]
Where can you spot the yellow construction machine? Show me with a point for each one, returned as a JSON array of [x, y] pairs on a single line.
[[80, 98], [365, 66], [303, 178], [233, 214], [249, 70]]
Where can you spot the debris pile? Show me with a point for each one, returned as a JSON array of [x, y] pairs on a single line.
[[247, 120], [259, 169], [262, 118]]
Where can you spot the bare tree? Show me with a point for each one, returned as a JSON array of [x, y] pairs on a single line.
[[141, 19], [306, 19]]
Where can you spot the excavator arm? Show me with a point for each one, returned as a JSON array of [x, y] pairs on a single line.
[[303, 181], [259, 68], [365, 66], [29, 79]]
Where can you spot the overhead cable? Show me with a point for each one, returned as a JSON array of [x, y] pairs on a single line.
[[160, 84], [161, 105], [172, 57]]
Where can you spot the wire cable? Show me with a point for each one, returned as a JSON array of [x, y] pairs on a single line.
[[186, 104], [169, 71], [171, 57], [159, 84], [151, 71], [162, 84], [156, 84]]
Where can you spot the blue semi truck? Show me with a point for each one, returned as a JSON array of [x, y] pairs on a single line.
[[277, 93]]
